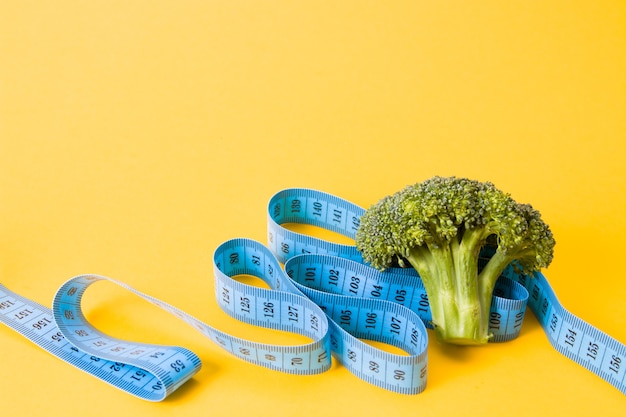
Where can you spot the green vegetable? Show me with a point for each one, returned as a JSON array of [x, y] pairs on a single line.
[[439, 227]]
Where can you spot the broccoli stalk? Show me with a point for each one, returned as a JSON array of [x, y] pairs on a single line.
[[439, 227]]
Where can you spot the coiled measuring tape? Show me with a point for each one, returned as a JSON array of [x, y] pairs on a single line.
[[323, 291], [152, 372]]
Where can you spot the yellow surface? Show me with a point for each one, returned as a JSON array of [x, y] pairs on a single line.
[[137, 136]]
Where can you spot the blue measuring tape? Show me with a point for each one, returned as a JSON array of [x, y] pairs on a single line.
[[318, 289]]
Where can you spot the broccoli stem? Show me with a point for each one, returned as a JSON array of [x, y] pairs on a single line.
[[449, 274], [490, 274], [459, 297]]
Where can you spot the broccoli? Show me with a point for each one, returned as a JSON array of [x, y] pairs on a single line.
[[440, 226]]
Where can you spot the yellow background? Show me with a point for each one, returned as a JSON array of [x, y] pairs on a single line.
[[137, 136]]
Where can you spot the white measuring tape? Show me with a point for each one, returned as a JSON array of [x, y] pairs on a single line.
[[325, 292]]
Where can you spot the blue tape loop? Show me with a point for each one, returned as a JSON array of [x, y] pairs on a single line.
[[319, 289], [150, 372], [282, 308]]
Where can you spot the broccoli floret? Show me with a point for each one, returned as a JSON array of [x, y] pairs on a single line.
[[439, 227]]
